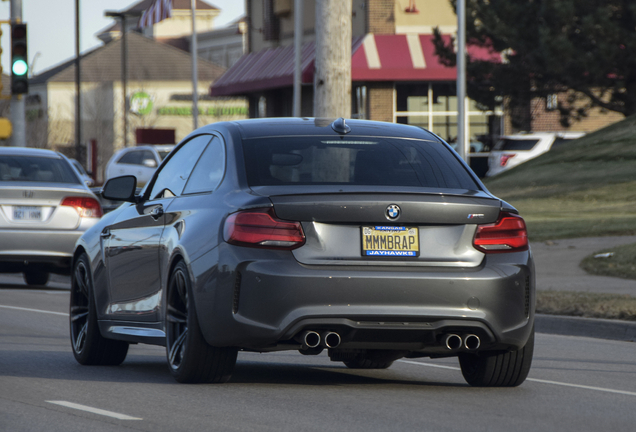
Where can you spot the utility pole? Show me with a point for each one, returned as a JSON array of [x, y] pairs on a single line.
[[298, 47], [18, 121], [195, 71], [332, 77], [461, 80]]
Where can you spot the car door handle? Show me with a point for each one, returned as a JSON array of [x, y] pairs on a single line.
[[156, 212]]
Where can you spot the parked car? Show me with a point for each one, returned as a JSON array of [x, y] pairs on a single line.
[[44, 208], [370, 240], [82, 172], [513, 150], [140, 161]]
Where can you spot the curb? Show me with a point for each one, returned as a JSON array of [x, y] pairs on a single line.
[[587, 327]]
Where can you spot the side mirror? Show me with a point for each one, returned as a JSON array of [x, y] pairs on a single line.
[[120, 189], [150, 163]]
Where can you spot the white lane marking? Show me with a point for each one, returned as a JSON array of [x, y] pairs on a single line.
[[583, 387], [601, 389], [94, 410], [34, 310]]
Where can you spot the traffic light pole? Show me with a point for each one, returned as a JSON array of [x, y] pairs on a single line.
[[18, 137]]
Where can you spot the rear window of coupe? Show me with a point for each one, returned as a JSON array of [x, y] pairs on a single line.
[[354, 161], [36, 169]]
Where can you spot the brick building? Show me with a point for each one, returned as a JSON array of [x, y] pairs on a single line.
[[396, 76]]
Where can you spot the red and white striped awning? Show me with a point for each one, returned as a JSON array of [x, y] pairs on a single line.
[[374, 58], [406, 57]]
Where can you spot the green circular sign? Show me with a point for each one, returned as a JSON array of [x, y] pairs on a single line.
[[141, 103]]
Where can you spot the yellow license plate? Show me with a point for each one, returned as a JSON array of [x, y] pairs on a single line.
[[390, 241]]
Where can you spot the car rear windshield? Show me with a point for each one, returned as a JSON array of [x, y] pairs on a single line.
[[516, 144], [36, 169], [356, 161]]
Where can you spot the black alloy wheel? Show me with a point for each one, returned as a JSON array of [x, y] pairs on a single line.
[[89, 346], [190, 357]]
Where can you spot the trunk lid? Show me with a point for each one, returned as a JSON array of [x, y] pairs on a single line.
[[27, 206], [339, 227]]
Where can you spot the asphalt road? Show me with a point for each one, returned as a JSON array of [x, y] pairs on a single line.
[[576, 384]]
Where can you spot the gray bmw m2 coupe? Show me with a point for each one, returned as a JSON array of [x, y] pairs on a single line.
[[370, 241]]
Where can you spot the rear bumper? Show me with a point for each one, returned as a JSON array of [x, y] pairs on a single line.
[[261, 299], [47, 249]]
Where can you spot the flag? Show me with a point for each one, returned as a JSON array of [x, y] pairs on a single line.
[[159, 10]]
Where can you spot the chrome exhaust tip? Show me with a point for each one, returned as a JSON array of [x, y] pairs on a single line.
[[310, 339], [471, 342], [331, 339], [453, 341]]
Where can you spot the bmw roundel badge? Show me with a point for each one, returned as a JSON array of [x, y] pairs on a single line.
[[393, 212]]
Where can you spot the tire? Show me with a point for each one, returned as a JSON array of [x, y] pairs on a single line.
[[372, 360], [190, 358], [35, 277], [507, 369], [89, 346]]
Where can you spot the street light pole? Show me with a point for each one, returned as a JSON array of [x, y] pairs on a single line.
[[124, 64], [78, 94]]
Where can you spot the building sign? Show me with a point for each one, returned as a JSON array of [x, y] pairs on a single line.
[[141, 103], [209, 111]]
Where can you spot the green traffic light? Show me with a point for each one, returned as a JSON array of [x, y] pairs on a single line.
[[20, 67]]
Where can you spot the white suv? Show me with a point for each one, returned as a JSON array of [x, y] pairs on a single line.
[[140, 161], [513, 150]]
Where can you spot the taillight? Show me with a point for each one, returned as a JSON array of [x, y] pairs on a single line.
[[85, 206], [503, 159], [261, 228], [508, 234]]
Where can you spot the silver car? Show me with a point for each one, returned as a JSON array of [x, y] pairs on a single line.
[[44, 208], [140, 161], [369, 241]]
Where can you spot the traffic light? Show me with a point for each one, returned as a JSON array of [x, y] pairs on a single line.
[[19, 65]]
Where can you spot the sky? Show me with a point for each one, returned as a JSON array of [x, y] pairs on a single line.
[[51, 27]]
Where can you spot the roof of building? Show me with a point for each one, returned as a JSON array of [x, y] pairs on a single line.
[[148, 60], [374, 57]]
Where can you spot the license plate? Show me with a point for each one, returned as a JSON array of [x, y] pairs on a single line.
[[23, 213], [390, 241]]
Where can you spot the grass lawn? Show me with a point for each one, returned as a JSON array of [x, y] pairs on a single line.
[[590, 305], [580, 189], [621, 264]]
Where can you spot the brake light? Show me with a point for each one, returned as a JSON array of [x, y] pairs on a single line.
[[261, 228], [503, 159], [85, 206], [508, 234]]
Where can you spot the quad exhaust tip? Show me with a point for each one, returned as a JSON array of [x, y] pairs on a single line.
[[453, 341], [311, 339], [471, 342], [331, 339]]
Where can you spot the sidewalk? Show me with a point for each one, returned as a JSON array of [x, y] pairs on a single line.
[[557, 265]]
